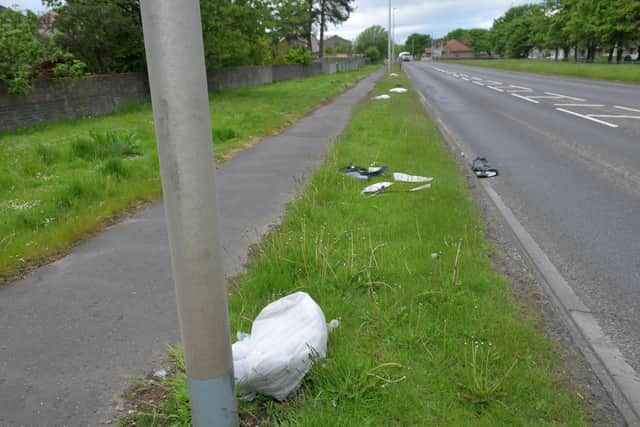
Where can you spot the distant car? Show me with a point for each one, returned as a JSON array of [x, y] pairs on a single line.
[[631, 57]]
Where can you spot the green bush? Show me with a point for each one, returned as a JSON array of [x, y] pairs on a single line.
[[372, 53], [223, 134], [298, 55]]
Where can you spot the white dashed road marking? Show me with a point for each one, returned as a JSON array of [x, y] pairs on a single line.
[[525, 98], [579, 105], [497, 89], [602, 122], [627, 108], [564, 96]]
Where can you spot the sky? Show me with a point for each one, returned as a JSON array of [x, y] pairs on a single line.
[[436, 17]]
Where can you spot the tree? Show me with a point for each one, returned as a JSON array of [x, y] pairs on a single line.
[[417, 43], [234, 32], [25, 53], [106, 35], [20, 49], [375, 36], [332, 12], [513, 33]]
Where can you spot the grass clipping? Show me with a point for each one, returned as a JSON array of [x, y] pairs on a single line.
[[424, 339]]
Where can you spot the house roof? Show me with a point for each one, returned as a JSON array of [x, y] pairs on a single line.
[[454, 45], [427, 50]]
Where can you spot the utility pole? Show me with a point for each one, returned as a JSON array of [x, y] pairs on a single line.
[[389, 40], [177, 79], [393, 34]]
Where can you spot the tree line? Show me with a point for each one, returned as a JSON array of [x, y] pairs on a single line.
[[581, 25], [106, 36]]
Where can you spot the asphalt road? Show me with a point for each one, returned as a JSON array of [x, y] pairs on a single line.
[[568, 152], [75, 332]]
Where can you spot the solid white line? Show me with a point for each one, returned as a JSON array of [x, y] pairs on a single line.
[[525, 98], [475, 82], [602, 122], [564, 96], [579, 105], [613, 116], [627, 108], [495, 88]]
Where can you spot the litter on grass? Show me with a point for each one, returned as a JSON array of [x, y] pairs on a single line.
[[362, 173], [381, 97], [393, 75], [483, 169], [403, 177], [160, 374], [398, 90], [378, 187], [420, 187], [286, 338]]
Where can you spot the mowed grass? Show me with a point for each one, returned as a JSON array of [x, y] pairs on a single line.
[[430, 334], [621, 72], [61, 181]]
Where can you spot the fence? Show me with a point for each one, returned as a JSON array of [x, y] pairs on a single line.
[[95, 95]]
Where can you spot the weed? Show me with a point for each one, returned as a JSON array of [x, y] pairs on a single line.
[[223, 134], [48, 155], [116, 168], [478, 360], [100, 146]]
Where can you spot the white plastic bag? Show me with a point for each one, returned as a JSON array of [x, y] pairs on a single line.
[[398, 90], [285, 338], [381, 97]]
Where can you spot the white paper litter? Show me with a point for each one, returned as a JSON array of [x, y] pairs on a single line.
[[403, 177], [381, 97], [398, 90], [377, 187], [285, 338], [393, 75], [421, 187], [160, 374], [374, 169]]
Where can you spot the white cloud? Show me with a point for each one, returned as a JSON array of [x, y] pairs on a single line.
[[34, 5]]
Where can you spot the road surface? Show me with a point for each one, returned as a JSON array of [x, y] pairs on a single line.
[[568, 152]]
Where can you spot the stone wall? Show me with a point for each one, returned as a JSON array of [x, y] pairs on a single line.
[[92, 96]]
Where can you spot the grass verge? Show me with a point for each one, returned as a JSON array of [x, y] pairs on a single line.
[[620, 72], [61, 181], [430, 333]]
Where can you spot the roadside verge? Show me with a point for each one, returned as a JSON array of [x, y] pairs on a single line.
[[429, 332]]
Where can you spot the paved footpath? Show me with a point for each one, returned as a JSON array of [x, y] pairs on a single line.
[[74, 332]]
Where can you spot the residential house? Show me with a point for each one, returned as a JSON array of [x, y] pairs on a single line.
[[45, 23], [334, 41], [302, 42]]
